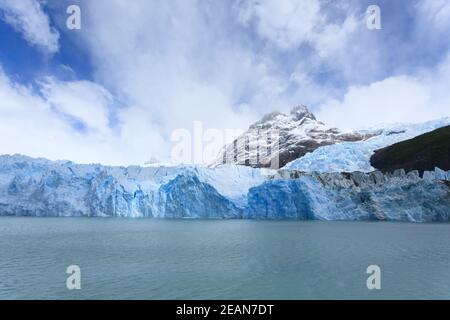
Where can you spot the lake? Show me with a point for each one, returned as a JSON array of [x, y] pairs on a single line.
[[221, 259]]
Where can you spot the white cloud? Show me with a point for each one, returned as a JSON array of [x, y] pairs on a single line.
[[35, 126], [175, 64], [434, 13], [395, 99], [154, 65], [287, 23], [28, 18], [334, 37], [336, 33], [83, 100], [292, 23]]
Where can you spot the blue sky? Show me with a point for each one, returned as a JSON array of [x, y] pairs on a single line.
[[116, 90]]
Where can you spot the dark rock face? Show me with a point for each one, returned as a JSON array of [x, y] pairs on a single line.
[[278, 139], [423, 153]]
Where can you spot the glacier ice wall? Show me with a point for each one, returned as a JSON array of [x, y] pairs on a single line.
[[38, 187], [187, 197], [353, 196]]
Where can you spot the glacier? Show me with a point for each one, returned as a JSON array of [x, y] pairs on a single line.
[[39, 187], [355, 156], [399, 196]]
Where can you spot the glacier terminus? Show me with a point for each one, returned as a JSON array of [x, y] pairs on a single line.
[[39, 187]]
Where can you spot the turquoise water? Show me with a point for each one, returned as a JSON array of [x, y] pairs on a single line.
[[156, 259]]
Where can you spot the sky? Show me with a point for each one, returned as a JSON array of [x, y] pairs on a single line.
[[119, 90]]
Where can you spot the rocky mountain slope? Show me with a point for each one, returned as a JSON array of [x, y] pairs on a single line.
[[281, 138], [422, 153]]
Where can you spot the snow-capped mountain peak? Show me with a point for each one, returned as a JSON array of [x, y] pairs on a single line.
[[300, 112], [279, 138]]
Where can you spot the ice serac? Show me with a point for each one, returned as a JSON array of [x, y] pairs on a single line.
[[187, 197], [44, 188], [398, 196], [281, 138], [280, 199]]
